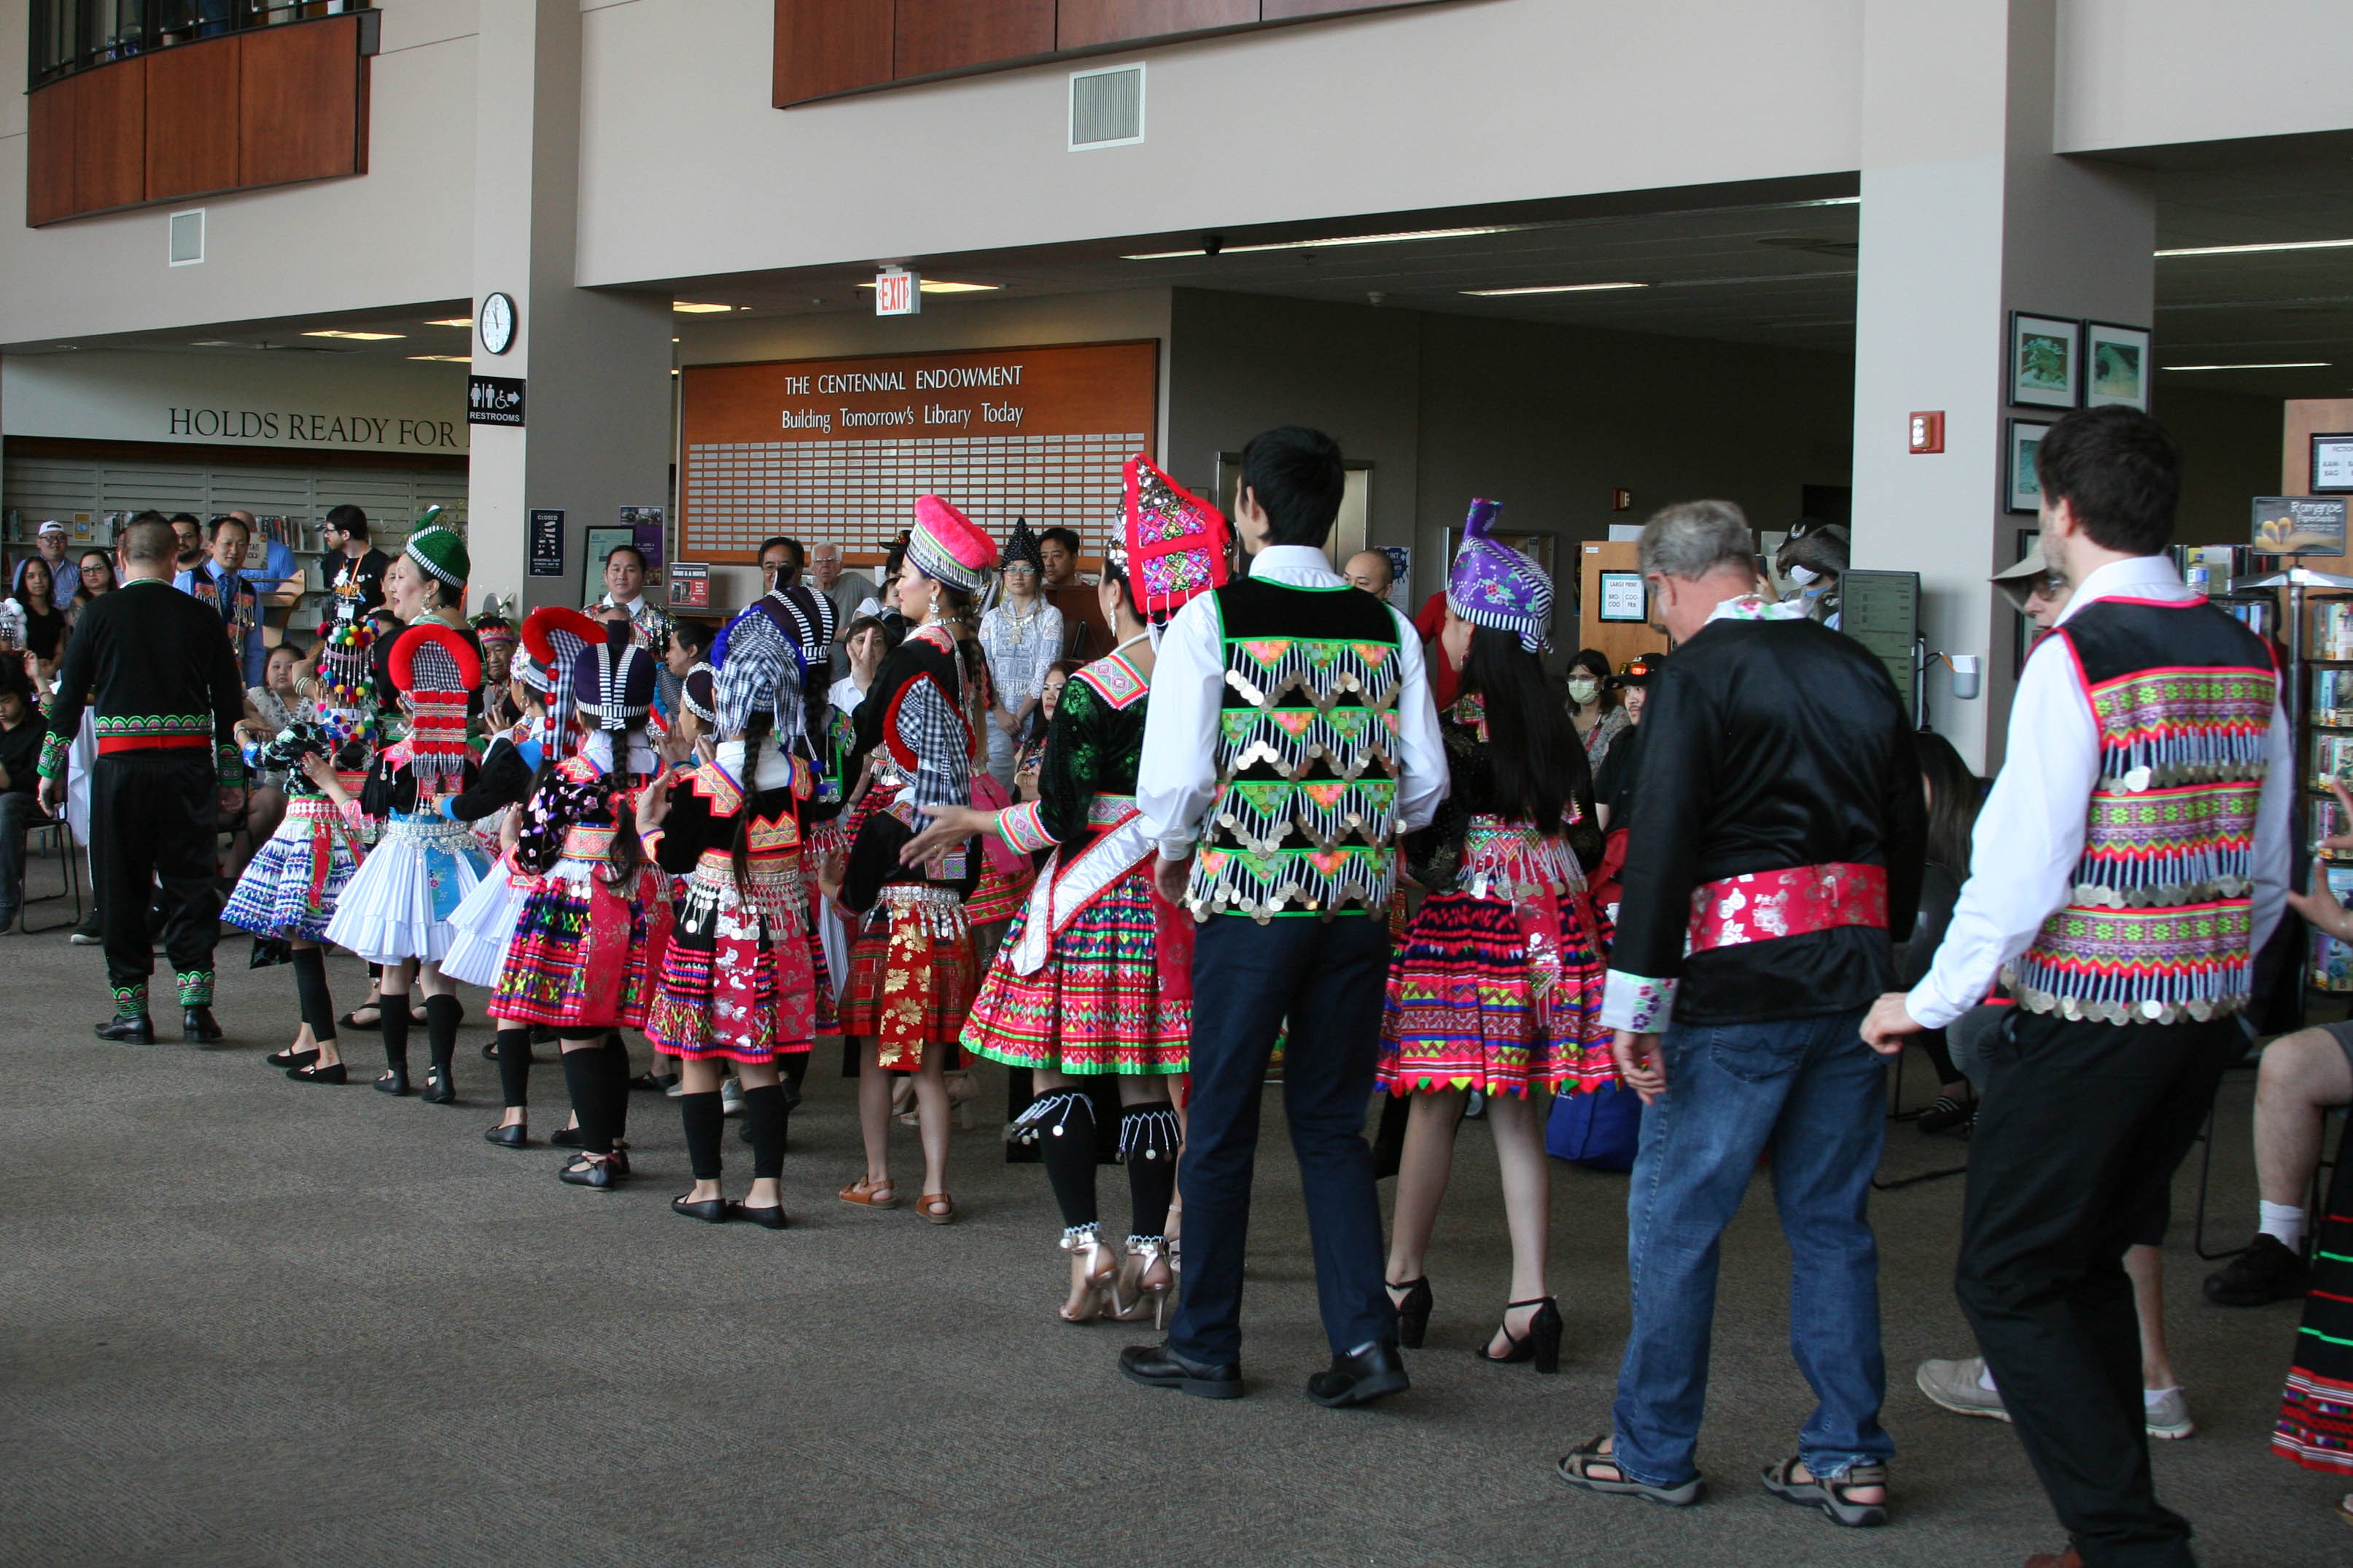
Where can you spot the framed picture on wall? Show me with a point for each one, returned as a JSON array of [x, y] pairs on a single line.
[[2116, 365], [2022, 493], [602, 542], [2046, 367], [2332, 465]]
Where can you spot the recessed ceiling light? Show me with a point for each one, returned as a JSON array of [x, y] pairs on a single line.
[[2281, 364], [2250, 249], [452, 321], [446, 359], [941, 286], [356, 337], [685, 309], [1551, 289], [212, 344]]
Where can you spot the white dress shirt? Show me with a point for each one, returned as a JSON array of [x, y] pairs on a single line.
[[2030, 834], [1177, 776]]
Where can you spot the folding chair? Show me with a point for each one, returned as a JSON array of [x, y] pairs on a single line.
[[55, 834]]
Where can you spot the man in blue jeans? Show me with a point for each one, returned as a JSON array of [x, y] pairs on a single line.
[[1775, 844]]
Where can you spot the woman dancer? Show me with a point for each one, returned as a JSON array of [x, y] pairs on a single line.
[[1095, 975], [910, 968], [737, 983], [1496, 987], [589, 944], [540, 679]]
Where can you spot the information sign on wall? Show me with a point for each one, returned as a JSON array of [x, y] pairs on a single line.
[[493, 400], [546, 544], [836, 450]]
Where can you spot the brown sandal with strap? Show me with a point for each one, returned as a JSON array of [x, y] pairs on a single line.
[[937, 1207], [881, 1195]]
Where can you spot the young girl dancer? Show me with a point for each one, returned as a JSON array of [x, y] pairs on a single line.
[[553, 637], [910, 968], [737, 985], [1497, 984], [589, 944], [1095, 973]]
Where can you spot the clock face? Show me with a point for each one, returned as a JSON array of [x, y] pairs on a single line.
[[498, 323]]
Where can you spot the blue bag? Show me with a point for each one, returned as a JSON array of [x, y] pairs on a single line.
[[1598, 1130]]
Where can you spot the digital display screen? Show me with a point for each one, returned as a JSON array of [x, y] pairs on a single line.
[[1881, 610]]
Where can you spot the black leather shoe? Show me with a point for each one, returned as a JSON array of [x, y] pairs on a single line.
[[395, 1080], [2267, 1271], [773, 1216], [711, 1211], [567, 1138], [1157, 1366], [197, 1026], [516, 1137], [331, 1073], [291, 1058], [440, 1088], [139, 1031], [1359, 1379], [603, 1174]]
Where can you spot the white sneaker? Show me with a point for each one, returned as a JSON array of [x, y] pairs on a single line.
[[2169, 1417], [731, 1097], [1954, 1384]]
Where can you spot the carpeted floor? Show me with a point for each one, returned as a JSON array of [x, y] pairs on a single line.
[[246, 1321]]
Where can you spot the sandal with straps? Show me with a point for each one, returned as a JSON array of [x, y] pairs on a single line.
[[868, 1195], [1578, 1464], [937, 1207], [1829, 1493]]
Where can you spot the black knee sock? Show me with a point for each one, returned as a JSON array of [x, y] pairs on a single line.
[[394, 1025], [763, 1122], [585, 1076], [617, 1082], [704, 1118], [310, 991], [1062, 1123], [441, 1029], [515, 1066], [1147, 1142]]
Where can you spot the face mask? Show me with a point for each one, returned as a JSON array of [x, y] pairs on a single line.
[[1802, 576], [1583, 691]]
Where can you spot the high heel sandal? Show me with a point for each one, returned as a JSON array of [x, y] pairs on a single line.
[[1540, 1344], [1099, 1278], [1145, 1253], [1413, 1312]]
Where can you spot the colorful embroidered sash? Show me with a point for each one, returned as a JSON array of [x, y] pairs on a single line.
[[1760, 906]]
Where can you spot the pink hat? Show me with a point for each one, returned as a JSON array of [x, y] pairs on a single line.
[[950, 547]]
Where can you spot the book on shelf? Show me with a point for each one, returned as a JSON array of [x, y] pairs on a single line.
[[2332, 960]]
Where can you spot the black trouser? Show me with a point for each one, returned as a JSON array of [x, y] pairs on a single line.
[[152, 815], [2078, 1135], [1327, 979], [19, 810]]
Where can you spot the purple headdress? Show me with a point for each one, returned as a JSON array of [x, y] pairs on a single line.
[[1492, 584]]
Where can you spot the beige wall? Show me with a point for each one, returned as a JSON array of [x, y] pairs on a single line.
[[2138, 73]]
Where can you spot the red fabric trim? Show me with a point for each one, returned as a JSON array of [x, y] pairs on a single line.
[[113, 744], [1760, 906]]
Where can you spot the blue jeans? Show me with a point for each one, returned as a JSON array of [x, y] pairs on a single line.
[[1809, 1090]]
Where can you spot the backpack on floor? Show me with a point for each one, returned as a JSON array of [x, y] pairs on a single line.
[[1597, 1131]]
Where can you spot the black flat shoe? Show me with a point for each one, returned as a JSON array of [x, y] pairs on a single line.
[[438, 1087], [1413, 1312], [604, 1175], [491, 1053], [1157, 1366], [1540, 1344], [516, 1137], [772, 1217], [653, 1082], [352, 1019], [394, 1081], [291, 1058], [713, 1211], [197, 1028], [331, 1073], [567, 1138], [1360, 1379], [140, 1031]]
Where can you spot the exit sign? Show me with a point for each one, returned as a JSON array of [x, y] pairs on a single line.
[[898, 294]]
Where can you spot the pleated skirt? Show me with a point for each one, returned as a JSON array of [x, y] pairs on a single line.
[[400, 904]]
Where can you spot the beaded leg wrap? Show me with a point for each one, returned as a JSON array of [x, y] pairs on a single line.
[[130, 1001], [1050, 1115], [1062, 1125], [1148, 1141], [195, 988]]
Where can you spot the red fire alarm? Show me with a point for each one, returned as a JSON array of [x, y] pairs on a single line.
[[1929, 431], [1621, 501]]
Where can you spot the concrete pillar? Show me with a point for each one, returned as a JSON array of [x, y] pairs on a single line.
[[1967, 214], [596, 365]]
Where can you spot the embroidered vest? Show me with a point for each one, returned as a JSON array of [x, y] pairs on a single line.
[[1307, 756], [2156, 923]]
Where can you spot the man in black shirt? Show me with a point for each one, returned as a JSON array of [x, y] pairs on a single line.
[[21, 730], [349, 558], [165, 698]]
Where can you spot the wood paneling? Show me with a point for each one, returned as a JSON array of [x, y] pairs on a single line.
[[931, 36], [299, 100], [1295, 10], [192, 119], [110, 132], [824, 46], [1619, 641], [48, 153], [1086, 24]]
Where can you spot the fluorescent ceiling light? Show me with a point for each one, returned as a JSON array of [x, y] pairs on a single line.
[[356, 337], [939, 286], [2281, 364], [452, 321], [446, 359], [1344, 239], [684, 309], [1551, 289], [2250, 249], [212, 344]]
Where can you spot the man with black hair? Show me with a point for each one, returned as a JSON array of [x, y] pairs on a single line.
[[188, 533], [806, 616], [2132, 857], [1290, 742], [355, 563], [153, 668], [1085, 633]]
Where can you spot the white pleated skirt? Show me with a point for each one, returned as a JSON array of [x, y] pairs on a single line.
[[483, 925], [403, 900]]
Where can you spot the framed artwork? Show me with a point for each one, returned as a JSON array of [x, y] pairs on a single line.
[[2116, 365], [2332, 466], [2046, 367], [2021, 492]]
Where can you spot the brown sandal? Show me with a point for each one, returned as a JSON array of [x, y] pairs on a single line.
[[881, 1195], [937, 1207]]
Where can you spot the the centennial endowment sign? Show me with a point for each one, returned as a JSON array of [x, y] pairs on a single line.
[[837, 450]]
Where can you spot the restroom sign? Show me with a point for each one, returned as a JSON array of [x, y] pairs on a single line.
[[898, 293]]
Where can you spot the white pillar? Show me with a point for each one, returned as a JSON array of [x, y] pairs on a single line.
[[1967, 214], [596, 365]]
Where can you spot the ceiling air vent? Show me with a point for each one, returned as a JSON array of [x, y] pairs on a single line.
[[1106, 108], [187, 237]]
